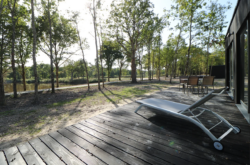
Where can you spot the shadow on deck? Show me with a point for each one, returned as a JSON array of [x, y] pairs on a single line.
[[120, 136]]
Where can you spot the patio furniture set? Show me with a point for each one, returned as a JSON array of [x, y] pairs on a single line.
[[202, 83]]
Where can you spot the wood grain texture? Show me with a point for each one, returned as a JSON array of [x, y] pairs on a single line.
[[29, 154], [47, 155], [76, 150], [91, 148], [14, 157], [63, 154], [129, 147], [3, 160]]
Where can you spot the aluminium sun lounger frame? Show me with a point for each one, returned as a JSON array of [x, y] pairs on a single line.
[[169, 107]]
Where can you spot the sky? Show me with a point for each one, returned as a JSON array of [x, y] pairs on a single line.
[[86, 24]]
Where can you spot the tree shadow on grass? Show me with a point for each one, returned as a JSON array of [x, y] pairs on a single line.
[[112, 101]]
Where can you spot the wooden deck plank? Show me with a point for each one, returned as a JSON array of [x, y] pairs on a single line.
[[108, 148], [198, 135], [119, 143], [3, 160], [29, 154], [91, 148], [166, 138], [231, 141], [64, 154], [183, 126], [163, 152], [76, 150], [45, 153], [14, 157], [155, 145]]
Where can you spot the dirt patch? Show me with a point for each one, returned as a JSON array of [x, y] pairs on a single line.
[[21, 120]]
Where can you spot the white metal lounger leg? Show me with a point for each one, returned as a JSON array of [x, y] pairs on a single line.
[[139, 108]]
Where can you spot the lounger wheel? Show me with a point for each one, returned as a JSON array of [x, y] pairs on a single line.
[[238, 129], [218, 146]]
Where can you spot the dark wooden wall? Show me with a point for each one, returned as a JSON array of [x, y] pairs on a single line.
[[240, 16]]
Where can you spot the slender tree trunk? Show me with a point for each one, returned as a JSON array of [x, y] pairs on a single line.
[[120, 73], [34, 52], [101, 57], [97, 59], [153, 65], [1, 7], [23, 76], [2, 95], [51, 56], [83, 59], [133, 65], [13, 54], [159, 64], [108, 74], [190, 42], [57, 76], [149, 62], [207, 67]]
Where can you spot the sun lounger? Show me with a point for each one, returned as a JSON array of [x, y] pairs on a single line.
[[188, 113]]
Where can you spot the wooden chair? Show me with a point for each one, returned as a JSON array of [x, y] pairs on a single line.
[[192, 82], [207, 81], [183, 81]]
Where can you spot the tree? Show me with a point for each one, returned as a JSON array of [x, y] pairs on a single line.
[[189, 9], [63, 35], [4, 48], [83, 44], [212, 24], [129, 18], [12, 7], [110, 53], [93, 14], [34, 36]]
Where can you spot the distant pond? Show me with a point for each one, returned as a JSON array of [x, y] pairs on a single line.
[[29, 87]]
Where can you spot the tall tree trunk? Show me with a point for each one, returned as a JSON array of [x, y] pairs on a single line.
[[101, 57], [83, 59], [120, 73], [13, 53], [108, 74], [159, 64], [97, 59], [1, 7], [2, 95], [57, 76], [133, 65], [149, 62], [207, 67], [51, 56], [153, 65], [190, 42], [23, 76], [34, 52]]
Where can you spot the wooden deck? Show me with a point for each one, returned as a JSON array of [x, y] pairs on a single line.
[[121, 137]]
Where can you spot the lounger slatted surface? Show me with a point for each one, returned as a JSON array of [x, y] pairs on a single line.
[[181, 110]]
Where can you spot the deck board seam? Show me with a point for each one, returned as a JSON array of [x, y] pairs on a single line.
[[157, 148], [37, 153], [67, 149], [5, 157], [21, 155], [51, 150], [80, 146], [96, 146], [161, 137], [116, 147], [125, 144]]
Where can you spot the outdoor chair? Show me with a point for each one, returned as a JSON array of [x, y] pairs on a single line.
[[183, 81], [194, 111], [207, 81], [192, 82]]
